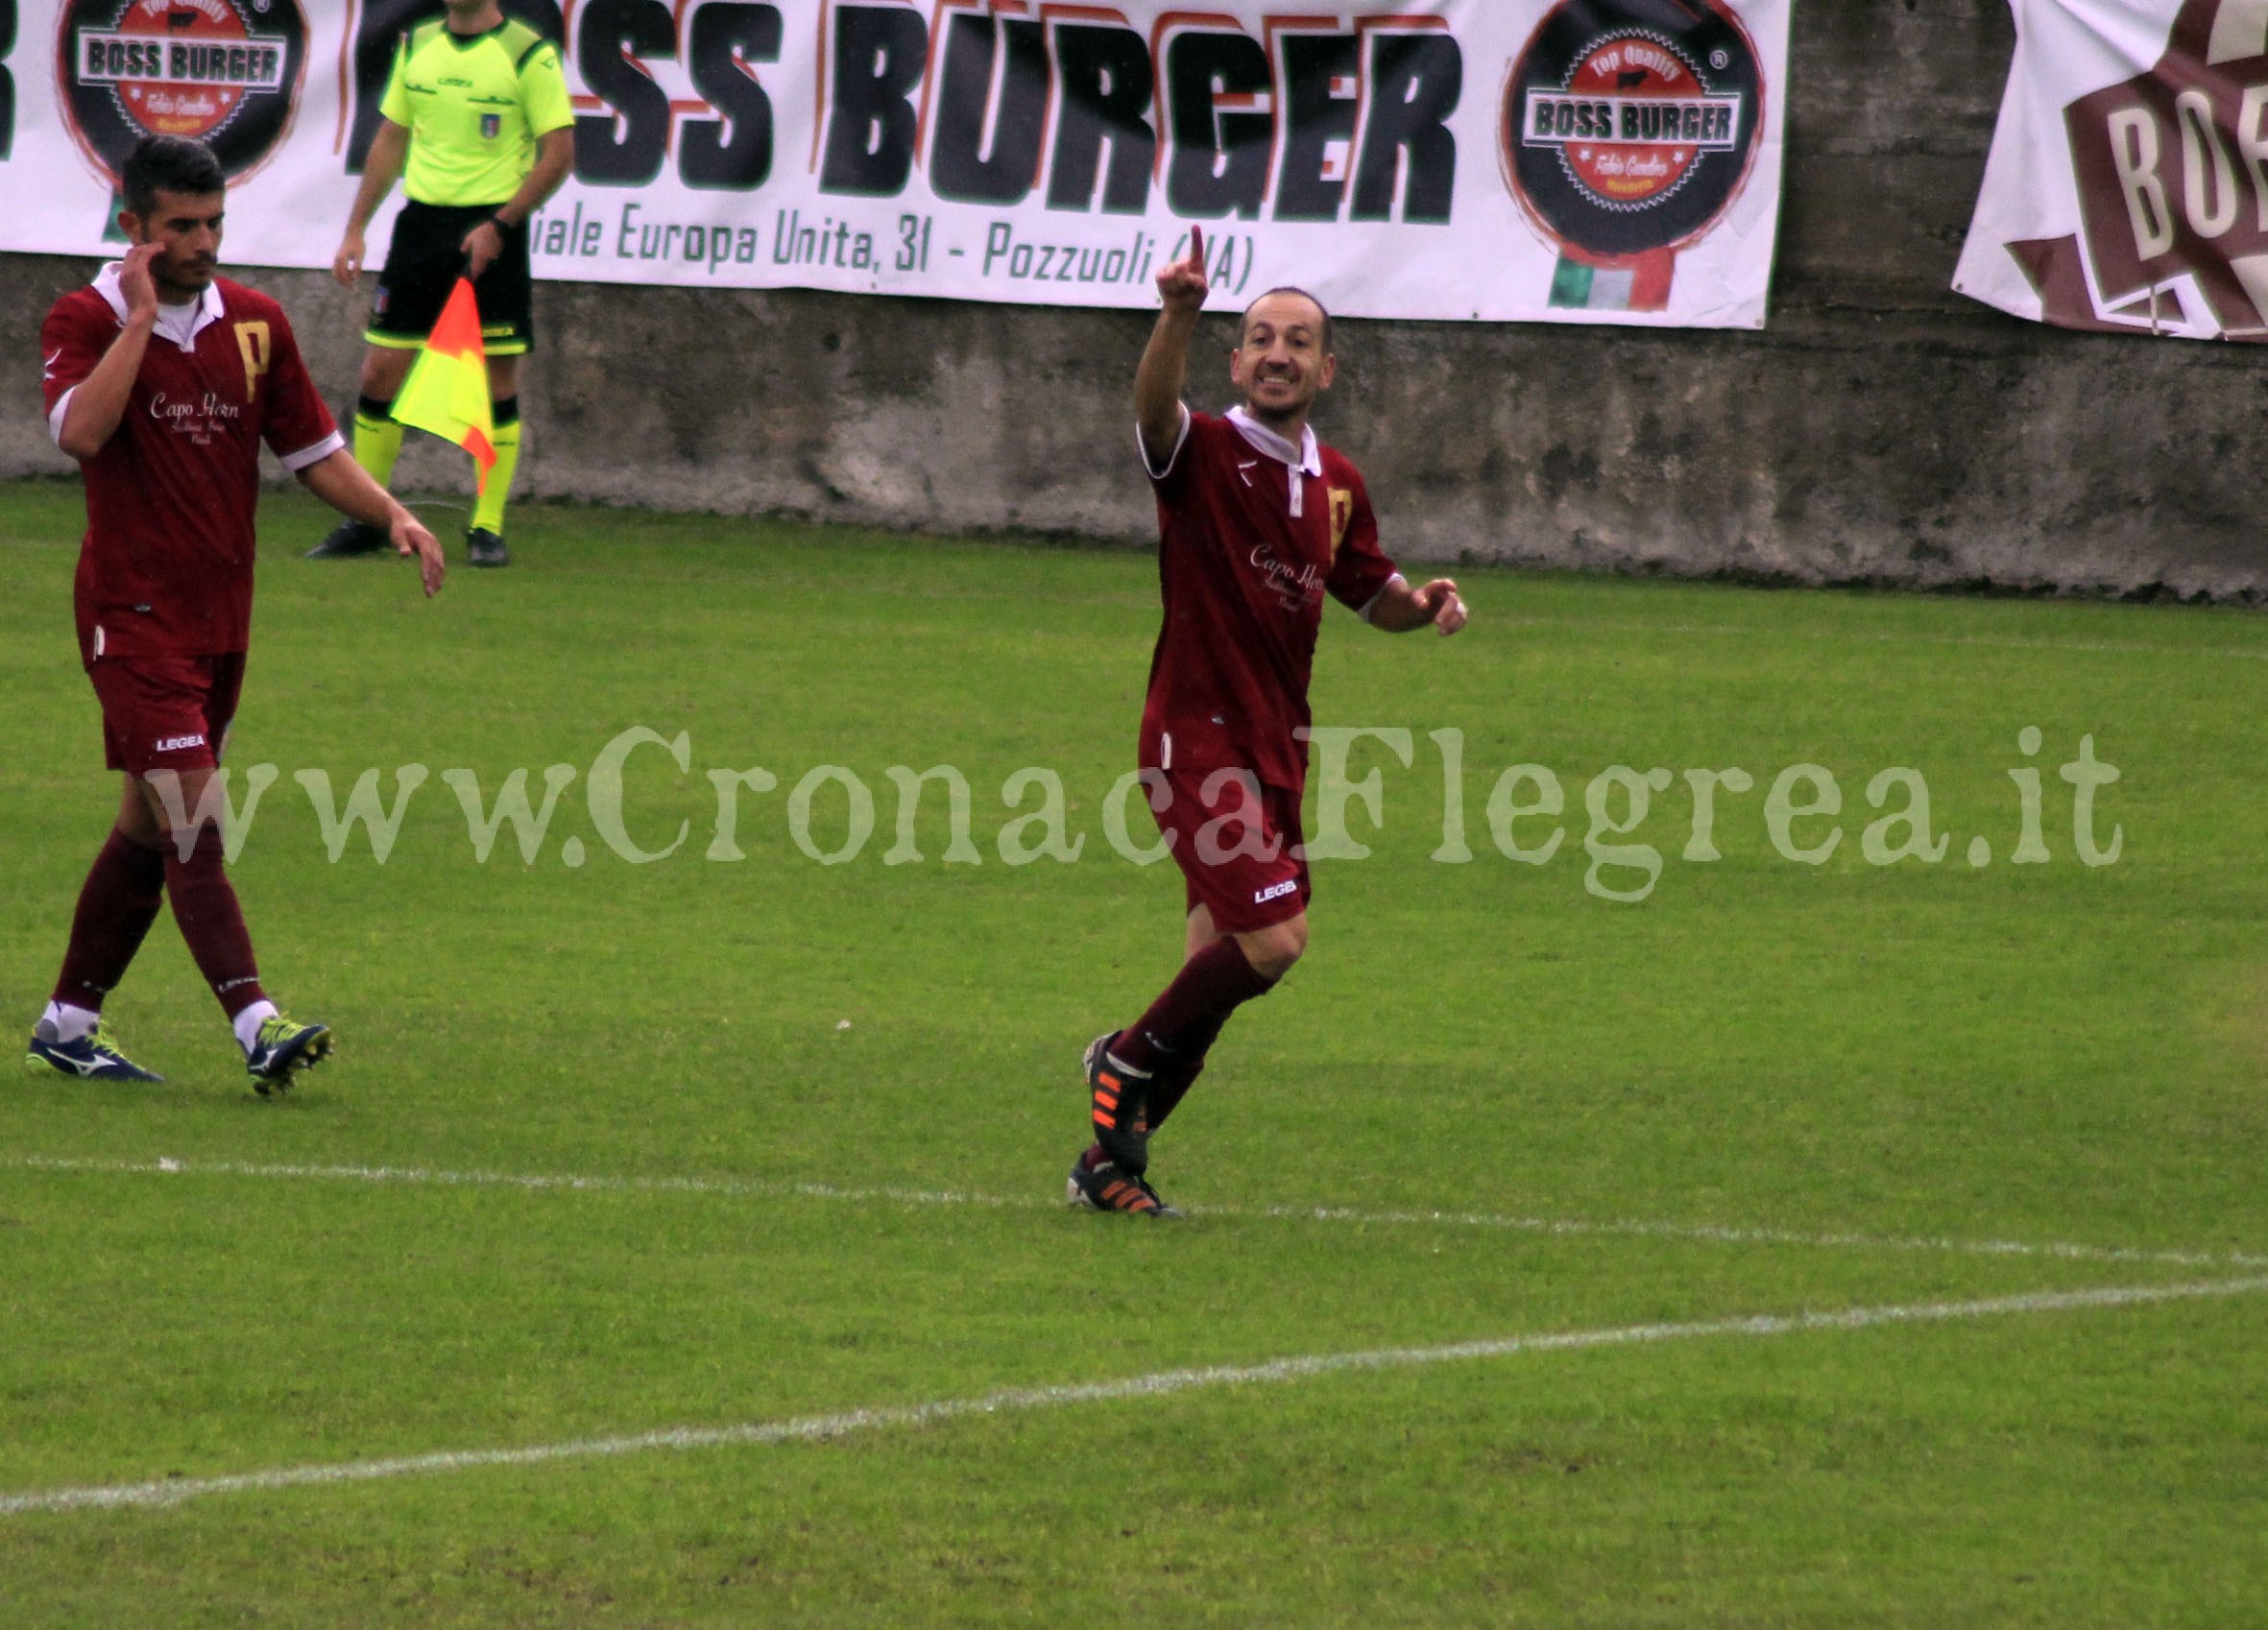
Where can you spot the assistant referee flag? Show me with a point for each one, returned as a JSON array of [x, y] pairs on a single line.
[[447, 390]]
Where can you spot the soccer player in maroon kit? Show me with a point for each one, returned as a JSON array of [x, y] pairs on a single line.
[[162, 380], [1257, 521]]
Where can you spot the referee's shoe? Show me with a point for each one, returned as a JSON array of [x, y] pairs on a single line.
[[347, 538], [486, 548]]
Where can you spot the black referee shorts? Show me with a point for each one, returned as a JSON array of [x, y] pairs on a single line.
[[424, 262]]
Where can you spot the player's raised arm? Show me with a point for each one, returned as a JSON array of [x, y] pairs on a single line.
[[1165, 361], [99, 400]]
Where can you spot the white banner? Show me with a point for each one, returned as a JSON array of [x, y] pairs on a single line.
[[2127, 185], [1499, 160]]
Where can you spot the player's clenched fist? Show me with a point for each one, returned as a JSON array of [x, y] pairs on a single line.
[[1441, 604], [1182, 284]]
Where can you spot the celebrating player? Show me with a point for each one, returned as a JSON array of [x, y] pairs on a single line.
[[162, 380], [478, 107], [1257, 520]]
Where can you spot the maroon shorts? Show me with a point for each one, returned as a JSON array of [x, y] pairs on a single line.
[[1240, 851], [166, 712]]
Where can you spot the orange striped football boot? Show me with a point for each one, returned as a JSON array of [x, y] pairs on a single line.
[[1115, 1104], [1095, 1185]]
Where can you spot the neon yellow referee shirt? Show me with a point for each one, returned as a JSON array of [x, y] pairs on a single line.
[[474, 105]]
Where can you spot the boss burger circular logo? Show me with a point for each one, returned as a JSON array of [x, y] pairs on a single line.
[[226, 72], [1629, 125]]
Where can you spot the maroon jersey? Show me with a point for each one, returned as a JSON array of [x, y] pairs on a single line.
[[165, 568], [1253, 531]]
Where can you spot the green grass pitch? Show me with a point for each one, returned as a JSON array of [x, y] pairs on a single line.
[[818, 1116]]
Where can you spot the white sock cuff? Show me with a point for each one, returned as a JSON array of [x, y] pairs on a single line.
[[70, 1022], [249, 1020]]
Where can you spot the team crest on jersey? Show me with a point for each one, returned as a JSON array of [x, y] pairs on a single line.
[[224, 72], [1342, 517], [492, 126], [254, 344], [1630, 125]]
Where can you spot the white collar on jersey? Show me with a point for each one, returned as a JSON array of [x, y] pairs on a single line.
[[1307, 458], [181, 323]]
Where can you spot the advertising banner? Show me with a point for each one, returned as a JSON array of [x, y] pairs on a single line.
[[1495, 160], [2127, 185]]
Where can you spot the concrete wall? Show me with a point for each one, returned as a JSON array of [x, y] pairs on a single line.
[[1882, 429]]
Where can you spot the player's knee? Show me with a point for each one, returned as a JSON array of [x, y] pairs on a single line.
[[1272, 951]]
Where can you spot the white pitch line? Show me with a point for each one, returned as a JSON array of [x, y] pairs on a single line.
[[775, 1189], [1159, 1384]]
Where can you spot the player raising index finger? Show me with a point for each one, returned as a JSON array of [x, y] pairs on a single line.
[[1258, 523]]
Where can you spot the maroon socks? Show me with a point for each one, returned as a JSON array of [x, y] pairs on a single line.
[[1178, 1070], [1169, 1043], [117, 903], [204, 906]]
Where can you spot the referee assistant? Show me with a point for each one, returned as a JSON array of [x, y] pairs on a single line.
[[478, 106]]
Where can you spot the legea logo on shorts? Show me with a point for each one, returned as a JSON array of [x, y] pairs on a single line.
[[1275, 891], [176, 743], [226, 72]]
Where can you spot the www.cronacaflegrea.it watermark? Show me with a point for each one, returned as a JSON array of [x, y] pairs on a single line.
[[830, 812]]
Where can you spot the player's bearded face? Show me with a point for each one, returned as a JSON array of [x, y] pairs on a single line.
[[1280, 364], [186, 229]]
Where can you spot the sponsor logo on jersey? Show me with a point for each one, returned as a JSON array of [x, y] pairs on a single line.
[[1294, 588], [1628, 125], [226, 72], [200, 419]]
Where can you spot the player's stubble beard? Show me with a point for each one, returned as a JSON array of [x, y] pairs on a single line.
[[178, 283]]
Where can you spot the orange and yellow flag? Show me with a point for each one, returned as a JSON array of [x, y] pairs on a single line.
[[447, 390]]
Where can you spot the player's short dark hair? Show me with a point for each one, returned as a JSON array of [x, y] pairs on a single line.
[[168, 163], [1288, 288]]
